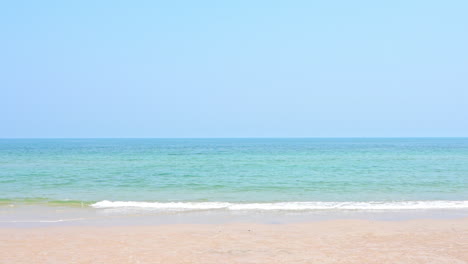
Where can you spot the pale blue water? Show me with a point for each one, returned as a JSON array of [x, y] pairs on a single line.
[[233, 170]]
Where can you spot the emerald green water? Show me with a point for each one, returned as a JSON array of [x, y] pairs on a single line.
[[75, 171]]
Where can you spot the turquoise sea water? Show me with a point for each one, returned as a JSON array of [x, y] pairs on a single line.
[[247, 173]]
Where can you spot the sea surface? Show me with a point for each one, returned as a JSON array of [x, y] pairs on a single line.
[[237, 174]]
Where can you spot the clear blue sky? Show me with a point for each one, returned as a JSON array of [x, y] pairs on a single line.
[[233, 68]]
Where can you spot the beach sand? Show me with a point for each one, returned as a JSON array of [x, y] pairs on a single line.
[[335, 241]]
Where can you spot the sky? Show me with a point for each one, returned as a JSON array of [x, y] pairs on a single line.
[[241, 68]]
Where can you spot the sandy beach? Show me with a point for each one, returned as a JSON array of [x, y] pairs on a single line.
[[335, 241]]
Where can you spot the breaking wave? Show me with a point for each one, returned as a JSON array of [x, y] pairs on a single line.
[[284, 206]]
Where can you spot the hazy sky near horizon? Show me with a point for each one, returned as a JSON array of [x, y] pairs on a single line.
[[233, 68]]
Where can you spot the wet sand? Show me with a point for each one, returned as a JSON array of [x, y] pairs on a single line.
[[335, 241]]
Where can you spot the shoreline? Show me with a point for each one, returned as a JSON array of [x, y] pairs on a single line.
[[44, 216], [330, 241]]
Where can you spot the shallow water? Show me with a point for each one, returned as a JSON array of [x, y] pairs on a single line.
[[256, 174]]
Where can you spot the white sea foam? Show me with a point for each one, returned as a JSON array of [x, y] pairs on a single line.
[[284, 206], [43, 221]]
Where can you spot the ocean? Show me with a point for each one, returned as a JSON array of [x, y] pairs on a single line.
[[248, 174]]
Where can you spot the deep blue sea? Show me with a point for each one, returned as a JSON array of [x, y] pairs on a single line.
[[237, 174]]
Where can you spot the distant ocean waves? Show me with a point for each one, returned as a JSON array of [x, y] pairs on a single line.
[[282, 206]]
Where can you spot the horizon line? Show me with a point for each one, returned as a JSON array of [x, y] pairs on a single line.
[[345, 137]]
